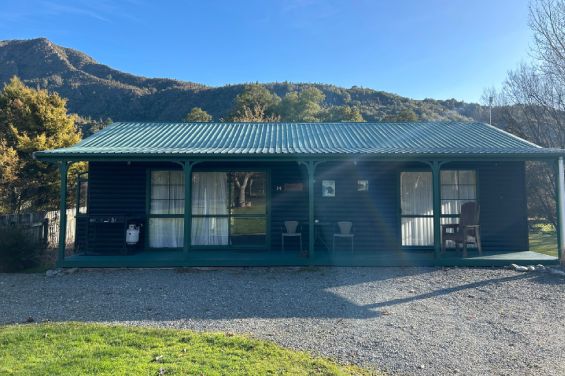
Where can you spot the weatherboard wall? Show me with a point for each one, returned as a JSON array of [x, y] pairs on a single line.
[[503, 200], [119, 189]]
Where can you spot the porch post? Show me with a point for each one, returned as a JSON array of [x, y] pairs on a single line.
[[311, 167], [436, 183], [560, 208], [187, 170], [63, 166]]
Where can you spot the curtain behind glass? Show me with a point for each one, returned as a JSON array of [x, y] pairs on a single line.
[[166, 232], [210, 198], [457, 188], [167, 192], [417, 199], [167, 197]]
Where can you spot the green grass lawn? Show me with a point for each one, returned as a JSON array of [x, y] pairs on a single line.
[[95, 349], [544, 242]]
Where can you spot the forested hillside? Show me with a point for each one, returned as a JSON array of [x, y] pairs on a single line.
[[99, 92]]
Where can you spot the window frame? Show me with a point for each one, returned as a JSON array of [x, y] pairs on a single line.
[[401, 216], [266, 215], [150, 215], [443, 216]]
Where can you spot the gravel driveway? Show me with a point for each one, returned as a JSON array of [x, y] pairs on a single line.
[[415, 321]]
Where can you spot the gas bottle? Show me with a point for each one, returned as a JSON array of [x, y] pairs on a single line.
[[132, 235]]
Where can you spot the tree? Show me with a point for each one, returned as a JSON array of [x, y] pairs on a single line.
[[88, 126], [255, 114], [531, 103], [31, 120], [343, 114], [406, 114], [8, 169], [241, 181], [198, 115], [255, 104], [547, 21], [303, 106]]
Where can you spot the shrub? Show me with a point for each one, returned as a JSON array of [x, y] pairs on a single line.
[[18, 250], [542, 227]]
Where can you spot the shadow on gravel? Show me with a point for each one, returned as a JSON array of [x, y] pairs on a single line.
[[546, 278], [447, 291], [225, 294]]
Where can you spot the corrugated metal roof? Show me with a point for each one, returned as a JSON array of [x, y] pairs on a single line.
[[279, 139]]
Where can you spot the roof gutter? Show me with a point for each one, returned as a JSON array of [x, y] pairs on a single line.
[[54, 157]]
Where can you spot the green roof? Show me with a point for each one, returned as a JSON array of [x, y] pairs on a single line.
[[248, 140]]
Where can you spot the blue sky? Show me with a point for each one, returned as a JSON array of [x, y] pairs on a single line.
[[420, 49]]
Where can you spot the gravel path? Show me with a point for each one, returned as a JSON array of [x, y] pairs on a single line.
[[415, 321]]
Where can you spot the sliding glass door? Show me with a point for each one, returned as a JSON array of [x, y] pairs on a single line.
[[229, 208]]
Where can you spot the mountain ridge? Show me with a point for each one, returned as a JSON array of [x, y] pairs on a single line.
[[98, 91]]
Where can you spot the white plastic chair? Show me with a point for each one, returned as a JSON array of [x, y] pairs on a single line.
[[345, 232], [291, 229]]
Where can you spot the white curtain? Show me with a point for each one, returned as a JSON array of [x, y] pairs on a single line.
[[417, 199], [167, 197], [457, 188], [167, 192], [210, 198], [166, 232]]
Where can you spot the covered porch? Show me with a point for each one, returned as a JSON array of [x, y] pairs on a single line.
[[367, 192]]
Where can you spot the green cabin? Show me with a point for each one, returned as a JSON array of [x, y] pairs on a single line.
[[269, 194]]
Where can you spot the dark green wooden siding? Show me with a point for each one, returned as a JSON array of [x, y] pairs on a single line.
[[116, 188], [374, 213], [288, 206], [504, 213], [120, 189]]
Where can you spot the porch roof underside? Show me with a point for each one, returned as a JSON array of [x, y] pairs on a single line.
[[232, 141]]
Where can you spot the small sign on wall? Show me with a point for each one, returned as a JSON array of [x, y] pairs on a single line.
[[328, 188], [362, 185], [293, 187]]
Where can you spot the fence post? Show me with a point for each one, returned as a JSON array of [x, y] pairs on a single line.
[[45, 233]]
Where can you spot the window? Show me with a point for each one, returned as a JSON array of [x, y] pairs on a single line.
[[166, 213], [416, 203], [167, 192], [416, 190], [457, 188], [229, 208]]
